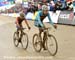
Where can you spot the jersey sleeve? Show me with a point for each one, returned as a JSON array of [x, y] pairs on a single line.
[[50, 21]]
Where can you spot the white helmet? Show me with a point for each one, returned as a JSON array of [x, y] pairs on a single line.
[[44, 7]]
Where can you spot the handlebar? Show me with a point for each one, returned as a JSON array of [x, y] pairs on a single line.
[[22, 28], [45, 28]]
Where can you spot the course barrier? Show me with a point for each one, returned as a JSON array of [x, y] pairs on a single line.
[[66, 17]]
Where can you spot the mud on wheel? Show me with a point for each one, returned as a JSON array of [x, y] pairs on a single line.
[[36, 43], [15, 39]]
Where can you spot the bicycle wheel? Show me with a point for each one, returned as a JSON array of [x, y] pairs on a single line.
[[15, 38], [37, 43], [52, 45], [24, 41]]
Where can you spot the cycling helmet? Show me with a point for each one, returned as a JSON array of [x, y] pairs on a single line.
[[22, 15], [44, 7]]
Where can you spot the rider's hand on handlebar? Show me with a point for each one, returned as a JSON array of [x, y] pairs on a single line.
[[55, 26], [29, 27]]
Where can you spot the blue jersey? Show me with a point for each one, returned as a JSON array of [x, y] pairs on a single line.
[[40, 17]]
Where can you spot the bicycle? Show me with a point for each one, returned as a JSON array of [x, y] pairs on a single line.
[[38, 43], [20, 37]]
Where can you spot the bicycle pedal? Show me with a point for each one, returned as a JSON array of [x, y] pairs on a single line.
[[19, 41], [44, 48]]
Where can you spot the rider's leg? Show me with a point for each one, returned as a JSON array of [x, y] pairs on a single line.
[[17, 29], [40, 32], [44, 40], [17, 32], [20, 30]]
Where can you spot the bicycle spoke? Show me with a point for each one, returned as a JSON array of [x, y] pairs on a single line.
[[36, 43], [16, 43], [52, 45], [24, 41]]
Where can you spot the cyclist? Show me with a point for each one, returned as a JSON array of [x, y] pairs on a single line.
[[19, 21], [39, 21]]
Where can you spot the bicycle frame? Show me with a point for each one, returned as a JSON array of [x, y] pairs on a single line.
[[45, 30], [21, 30]]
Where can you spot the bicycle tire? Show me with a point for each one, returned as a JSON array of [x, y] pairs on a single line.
[[56, 45], [24, 41], [35, 43], [15, 39]]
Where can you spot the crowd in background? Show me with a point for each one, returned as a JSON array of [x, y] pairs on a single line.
[[32, 7]]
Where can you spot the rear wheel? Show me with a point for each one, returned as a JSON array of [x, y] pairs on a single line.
[[52, 45], [37, 43]]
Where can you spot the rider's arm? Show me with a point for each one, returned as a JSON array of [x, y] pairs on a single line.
[[50, 21], [26, 23]]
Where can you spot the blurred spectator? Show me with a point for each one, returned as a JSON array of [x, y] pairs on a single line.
[[39, 5], [32, 8], [48, 6], [52, 6], [58, 5], [69, 5], [64, 5]]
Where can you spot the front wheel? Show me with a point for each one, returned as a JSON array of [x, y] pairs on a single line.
[[52, 45], [24, 41], [37, 43], [15, 39]]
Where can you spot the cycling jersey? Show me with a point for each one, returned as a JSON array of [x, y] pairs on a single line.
[[19, 20], [40, 17]]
